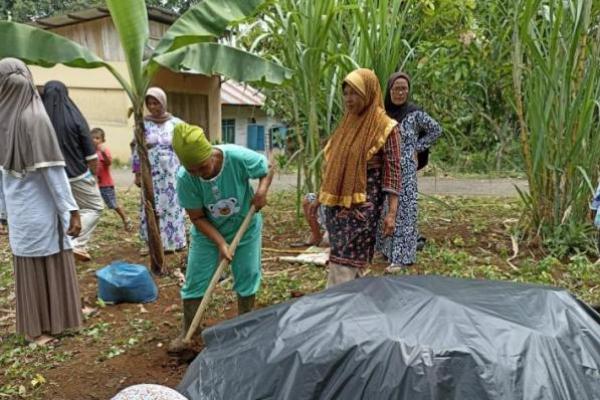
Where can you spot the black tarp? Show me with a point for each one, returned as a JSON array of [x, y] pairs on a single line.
[[418, 337]]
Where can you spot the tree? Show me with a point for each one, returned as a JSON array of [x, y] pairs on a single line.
[[190, 45]]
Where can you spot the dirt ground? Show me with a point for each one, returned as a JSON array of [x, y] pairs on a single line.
[[89, 375], [121, 345]]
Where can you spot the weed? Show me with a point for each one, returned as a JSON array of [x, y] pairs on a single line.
[[22, 365]]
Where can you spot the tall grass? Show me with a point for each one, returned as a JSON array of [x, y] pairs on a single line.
[[322, 41], [556, 77], [301, 36], [382, 35]]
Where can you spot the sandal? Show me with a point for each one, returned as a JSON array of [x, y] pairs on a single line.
[[81, 255], [308, 243], [43, 340], [89, 311], [179, 276], [302, 244], [393, 268]]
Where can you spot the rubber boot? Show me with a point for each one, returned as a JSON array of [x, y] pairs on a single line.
[[245, 304], [178, 345]]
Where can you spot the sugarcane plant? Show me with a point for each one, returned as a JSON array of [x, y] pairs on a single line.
[[382, 37], [190, 45], [299, 34], [556, 79], [321, 41]]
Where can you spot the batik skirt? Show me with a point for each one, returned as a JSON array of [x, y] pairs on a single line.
[[352, 231]]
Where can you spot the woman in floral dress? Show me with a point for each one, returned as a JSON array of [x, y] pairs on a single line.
[[159, 126], [418, 132]]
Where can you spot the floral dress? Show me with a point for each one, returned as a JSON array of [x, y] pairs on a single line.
[[163, 165], [401, 248]]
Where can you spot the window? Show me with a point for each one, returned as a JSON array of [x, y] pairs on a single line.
[[228, 130]]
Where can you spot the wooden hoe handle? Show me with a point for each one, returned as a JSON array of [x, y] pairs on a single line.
[[215, 278]]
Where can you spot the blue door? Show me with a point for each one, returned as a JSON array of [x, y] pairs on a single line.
[[256, 137]]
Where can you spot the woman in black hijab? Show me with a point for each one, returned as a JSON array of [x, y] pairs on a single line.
[[418, 132], [80, 156]]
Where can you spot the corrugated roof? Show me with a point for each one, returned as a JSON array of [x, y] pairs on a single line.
[[158, 14], [238, 94]]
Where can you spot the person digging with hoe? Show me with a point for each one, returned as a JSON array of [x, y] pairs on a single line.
[[213, 185]]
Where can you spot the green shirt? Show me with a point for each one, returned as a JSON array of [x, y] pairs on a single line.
[[226, 198]]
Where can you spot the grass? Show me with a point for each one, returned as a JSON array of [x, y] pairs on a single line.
[[467, 238]]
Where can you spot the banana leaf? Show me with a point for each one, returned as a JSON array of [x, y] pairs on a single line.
[[46, 49], [205, 22], [216, 59], [131, 20]]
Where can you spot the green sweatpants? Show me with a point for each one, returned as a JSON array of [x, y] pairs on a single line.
[[203, 260]]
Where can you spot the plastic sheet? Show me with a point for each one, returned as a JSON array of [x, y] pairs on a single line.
[[121, 282], [421, 337]]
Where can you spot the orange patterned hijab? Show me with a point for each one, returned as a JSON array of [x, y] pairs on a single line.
[[355, 141]]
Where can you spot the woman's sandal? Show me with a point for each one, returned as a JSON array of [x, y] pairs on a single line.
[[296, 245], [43, 340], [306, 243]]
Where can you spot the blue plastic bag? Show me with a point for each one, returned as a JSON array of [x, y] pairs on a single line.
[[121, 282]]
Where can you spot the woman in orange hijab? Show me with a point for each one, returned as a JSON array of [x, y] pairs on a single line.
[[362, 169]]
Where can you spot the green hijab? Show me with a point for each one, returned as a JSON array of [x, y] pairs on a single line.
[[190, 144]]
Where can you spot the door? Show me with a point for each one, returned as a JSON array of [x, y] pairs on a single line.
[[256, 137]]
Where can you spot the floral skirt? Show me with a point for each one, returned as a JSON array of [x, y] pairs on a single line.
[[352, 231]]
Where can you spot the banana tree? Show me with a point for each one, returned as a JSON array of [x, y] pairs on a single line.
[[190, 45]]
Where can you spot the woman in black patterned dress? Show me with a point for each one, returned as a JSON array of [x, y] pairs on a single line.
[[418, 132]]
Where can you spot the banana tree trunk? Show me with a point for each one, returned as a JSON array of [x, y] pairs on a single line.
[[155, 247]]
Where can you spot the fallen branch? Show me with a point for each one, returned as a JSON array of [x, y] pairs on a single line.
[[485, 251], [294, 251], [515, 247]]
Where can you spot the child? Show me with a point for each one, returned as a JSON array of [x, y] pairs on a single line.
[[213, 185], [105, 180]]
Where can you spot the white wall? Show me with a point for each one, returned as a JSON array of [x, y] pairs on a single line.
[[242, 115]]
